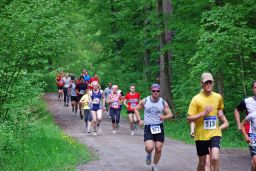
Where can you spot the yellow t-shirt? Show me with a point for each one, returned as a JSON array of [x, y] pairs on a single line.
[[207, 126], [85, 98]]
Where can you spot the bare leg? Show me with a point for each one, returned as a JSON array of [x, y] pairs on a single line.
[[158, 151]]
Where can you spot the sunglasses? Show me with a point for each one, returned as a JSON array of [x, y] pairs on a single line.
[[155, 91]]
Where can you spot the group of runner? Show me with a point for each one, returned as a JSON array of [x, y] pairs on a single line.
[[86, 95], [205, 114]]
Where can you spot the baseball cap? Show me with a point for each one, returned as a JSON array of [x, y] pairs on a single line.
[[155, 87], [206, 77]]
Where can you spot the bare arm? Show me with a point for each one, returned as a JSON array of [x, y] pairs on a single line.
[[125, 103], [137, 113], [237, 117], [167, 112], [224, 120], [247, 139], [192, 129]]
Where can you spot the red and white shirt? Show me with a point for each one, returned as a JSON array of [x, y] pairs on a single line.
[[133, 100]]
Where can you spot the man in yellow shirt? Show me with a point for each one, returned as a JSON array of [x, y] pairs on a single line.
[[205, 110]]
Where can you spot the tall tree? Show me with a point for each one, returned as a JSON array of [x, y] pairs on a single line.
[[165, 10]]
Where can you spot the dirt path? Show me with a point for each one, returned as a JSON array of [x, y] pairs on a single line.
[[123, 152]]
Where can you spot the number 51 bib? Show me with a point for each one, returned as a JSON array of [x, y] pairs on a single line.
[[210, 122]]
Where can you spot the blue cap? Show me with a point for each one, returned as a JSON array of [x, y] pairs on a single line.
[[155, 87]]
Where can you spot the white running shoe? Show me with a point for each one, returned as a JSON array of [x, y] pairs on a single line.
[[114, 131], [132, 133], [154, 168], [94, 134]]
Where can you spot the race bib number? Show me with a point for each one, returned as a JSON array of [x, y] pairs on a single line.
[[155, 129], [96, 101], [133, 105], [253, 139], [115, 105], [81, 91], [210, 122]]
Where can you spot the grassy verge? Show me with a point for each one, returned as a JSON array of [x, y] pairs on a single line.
[[48, 148]]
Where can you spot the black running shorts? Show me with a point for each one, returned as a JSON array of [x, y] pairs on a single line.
[[202, 147], [155, 137]]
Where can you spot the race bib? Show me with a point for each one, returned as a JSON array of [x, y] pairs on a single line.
[[133, 105], [155, 129], [253, 139], [96, 101], [81, 91], [210, 122], [115, 105]]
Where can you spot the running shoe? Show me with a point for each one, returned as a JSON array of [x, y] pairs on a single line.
[[154, 168], [148, 159], [114, 131], [117, 126], [132, 133], [94, 134]]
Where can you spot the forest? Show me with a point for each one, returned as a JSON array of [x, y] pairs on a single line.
[[124, 41]]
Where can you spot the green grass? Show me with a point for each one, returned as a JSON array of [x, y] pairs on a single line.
[[48, 148]]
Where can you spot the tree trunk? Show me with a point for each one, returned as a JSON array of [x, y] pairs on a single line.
[[165, 10], [147, 51], [220, 83]]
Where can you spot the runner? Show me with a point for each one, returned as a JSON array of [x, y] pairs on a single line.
[[87, 112], [60, 84], [205, 110], [74, 99], [154, 108], [107, 92], [114, 100], [248, 105], [66, 81], [95, 97], [94, 78], [131, 101], [80, 90], [86, 77]]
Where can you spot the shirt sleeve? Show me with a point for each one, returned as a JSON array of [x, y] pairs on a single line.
[[241, 106], [249, 118], [192, 110], [221, 103]]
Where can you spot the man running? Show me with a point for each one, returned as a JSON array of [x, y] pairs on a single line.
[[114, 101], [60, 84], [74, 99], [96, 106], [131, 101], [66, 81], [107, 92], [156, 110], [81, 90], [205, 110], [87, 112], [249, 106]]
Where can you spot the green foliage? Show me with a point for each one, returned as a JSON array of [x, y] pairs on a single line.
[[34, 39]]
